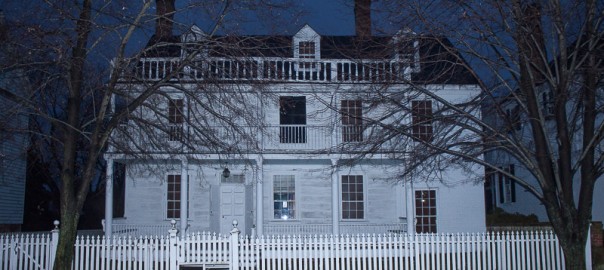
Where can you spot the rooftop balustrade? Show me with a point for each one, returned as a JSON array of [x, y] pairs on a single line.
[[273, 69]]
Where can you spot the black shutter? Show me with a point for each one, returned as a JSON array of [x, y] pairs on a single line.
[[500, 180], [513, 183]]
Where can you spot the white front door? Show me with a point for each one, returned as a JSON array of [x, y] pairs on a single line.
[[232, 207]]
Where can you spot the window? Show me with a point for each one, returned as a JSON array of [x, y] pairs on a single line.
[[176, 119], [173, 209], [547, 102], [421, 111], [513, 118], [306, 49], [352, 116], [425, 211], [353, 206], [284, 195], [507, 186], [292, 118], [120, 104]]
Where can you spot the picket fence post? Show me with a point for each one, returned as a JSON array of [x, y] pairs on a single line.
[[54, 243], [234, 246], [173, 246], [588, 261]]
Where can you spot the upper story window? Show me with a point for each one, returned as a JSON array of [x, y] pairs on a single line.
[[514, 119], [306, 49], [292, 119], [547, 102], [121, 104], [352, 120], [507, 186], [176, 119], [421, 112]]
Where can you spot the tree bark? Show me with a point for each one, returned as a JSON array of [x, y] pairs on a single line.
[[70, 203]]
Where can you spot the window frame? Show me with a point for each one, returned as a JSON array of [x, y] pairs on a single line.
[[173, 187], [291, 201], [425, 220], [351, 117], [507, 185], [349, 199], [422, 116], [292, 122], [307, 49], [176, 119]]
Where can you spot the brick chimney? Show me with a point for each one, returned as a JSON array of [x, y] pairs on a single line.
[[165, 19], [362, 18]]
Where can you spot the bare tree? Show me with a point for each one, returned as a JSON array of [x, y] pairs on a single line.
[[539, 64], [66, 52]]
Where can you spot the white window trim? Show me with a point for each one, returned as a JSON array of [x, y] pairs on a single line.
[[437, 205], [296, 200], [365, 197]]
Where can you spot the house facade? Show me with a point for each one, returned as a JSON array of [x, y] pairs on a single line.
[[287, 135]]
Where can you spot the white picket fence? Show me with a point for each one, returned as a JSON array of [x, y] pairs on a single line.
[[507, 250]]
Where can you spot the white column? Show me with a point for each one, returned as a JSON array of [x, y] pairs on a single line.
[[184, 197], [335, 199], [260, 198], [410, 207], [109, 199]]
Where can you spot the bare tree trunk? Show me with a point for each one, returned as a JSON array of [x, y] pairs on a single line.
[[70, 202]]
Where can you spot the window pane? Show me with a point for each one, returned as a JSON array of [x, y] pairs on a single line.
[[284, 197], [352, 197], [421, 111], [173, 197], [425, 211]]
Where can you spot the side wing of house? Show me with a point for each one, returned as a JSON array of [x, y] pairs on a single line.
[[13, 154]]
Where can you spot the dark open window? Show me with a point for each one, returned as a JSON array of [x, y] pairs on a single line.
[[292, 118]]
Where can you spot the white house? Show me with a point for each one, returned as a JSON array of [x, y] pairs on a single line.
[[279, 132]]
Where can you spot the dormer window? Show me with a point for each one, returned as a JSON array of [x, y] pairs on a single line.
[[306, 49]]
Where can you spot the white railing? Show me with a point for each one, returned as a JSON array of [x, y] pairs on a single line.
[[274, 69], [140, 229], [289, 228], [472, 251]]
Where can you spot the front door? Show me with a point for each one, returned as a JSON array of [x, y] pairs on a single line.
[[232, 207]]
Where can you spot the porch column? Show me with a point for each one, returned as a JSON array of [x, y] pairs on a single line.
[[410, 207], [184, 196], [259, 198], [109, 199], [335, 201]]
